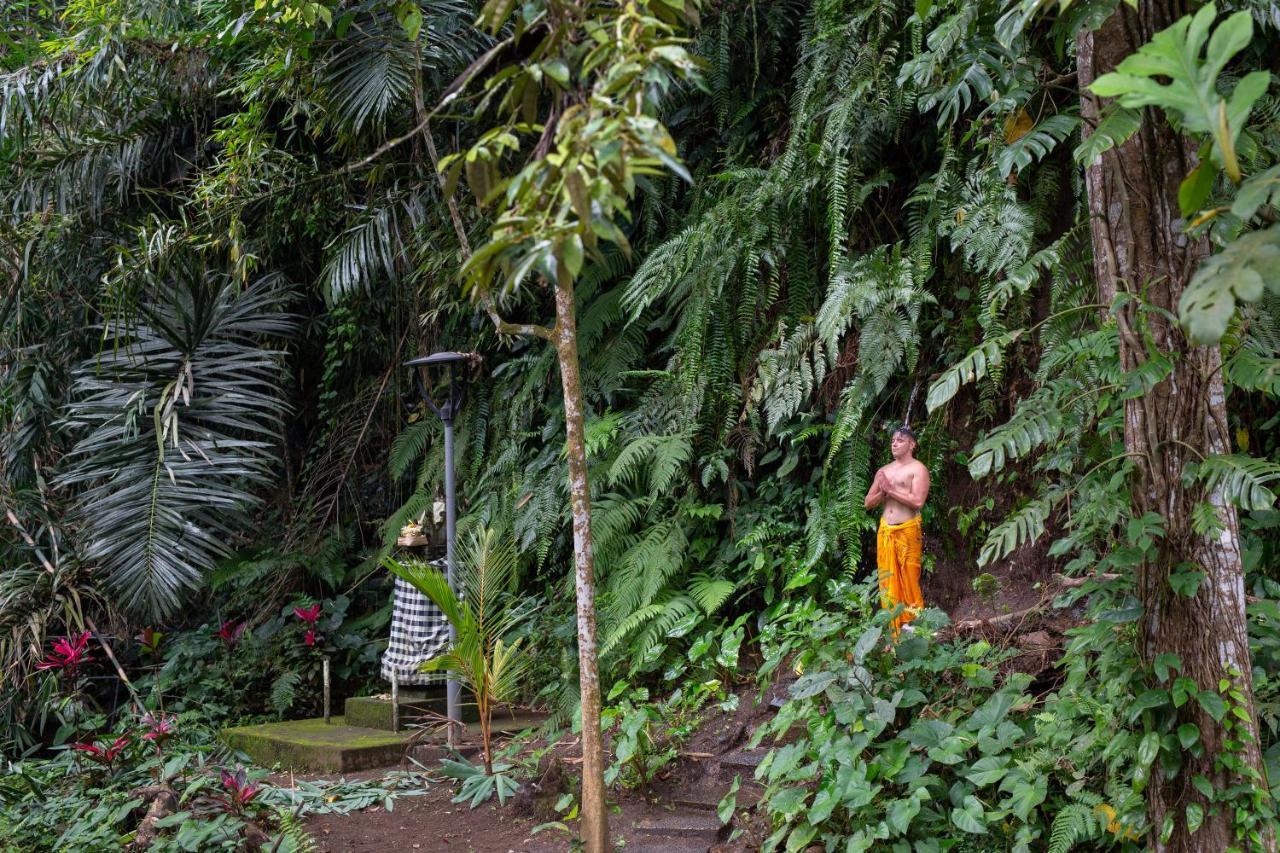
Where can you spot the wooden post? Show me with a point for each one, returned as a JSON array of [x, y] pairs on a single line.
[[326, 691]]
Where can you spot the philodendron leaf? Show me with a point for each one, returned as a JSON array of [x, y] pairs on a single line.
[[1239, 273], [1178, 72], [1263, 188]]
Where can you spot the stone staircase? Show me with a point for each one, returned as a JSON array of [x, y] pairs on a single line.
[[688, 822]]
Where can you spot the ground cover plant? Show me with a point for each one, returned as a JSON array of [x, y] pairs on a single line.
[[707, 256]]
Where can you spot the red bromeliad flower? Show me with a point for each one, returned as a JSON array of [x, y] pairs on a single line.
[[68, 654], [160, 727], [310, 615], [240, 789], [310, 638], [230, 633], [105, 756]]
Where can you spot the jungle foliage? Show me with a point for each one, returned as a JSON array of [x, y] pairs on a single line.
[[222, 228]]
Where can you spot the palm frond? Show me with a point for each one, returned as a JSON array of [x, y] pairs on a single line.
[[179, 419]]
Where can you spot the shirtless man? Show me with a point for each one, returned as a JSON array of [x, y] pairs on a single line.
[[902, 486]]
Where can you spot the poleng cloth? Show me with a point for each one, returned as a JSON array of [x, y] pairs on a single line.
[[898, 551], [419, 632]]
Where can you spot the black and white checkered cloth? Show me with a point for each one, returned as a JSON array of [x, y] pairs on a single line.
[[419, 632]]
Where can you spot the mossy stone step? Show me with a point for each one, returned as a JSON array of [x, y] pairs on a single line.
[[374, 712], [314, 746]]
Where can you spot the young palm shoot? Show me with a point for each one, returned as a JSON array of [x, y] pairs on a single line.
[[480, 657]]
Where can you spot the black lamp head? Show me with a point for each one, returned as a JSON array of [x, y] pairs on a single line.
[[455, 382]]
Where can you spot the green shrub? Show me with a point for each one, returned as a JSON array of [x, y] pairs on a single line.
[[905, 745]]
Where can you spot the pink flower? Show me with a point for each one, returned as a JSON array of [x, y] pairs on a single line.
[[105, 756], [310, 615], [230, 633], [310, 639], [68, 654], [159, 728], [241, 790]]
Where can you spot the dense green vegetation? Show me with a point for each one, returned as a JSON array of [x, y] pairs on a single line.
[[224, 225]]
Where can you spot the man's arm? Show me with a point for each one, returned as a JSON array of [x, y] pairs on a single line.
[[875, 494], [916, 495]]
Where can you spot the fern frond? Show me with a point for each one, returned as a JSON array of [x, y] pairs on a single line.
[[1021, 528], [284, 691], [1035, 144], [1241, 479], [710, 592], [409, 445], [1117, 125], [1037, 421], [971, 368]]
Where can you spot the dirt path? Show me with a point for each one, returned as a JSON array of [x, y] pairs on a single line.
[[430, 822]]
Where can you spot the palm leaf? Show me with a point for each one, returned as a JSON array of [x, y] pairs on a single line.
[[179, 420]]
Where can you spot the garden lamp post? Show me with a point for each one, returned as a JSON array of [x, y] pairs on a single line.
[[454, 364]]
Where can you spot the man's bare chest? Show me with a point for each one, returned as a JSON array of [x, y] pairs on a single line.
[[899, 478]]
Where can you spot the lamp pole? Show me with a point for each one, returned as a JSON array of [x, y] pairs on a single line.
[[446, 414]]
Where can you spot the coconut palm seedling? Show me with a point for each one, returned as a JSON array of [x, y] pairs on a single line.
[[486, 663]]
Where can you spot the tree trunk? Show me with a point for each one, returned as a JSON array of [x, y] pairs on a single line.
[[595, 822], [1140, 248]]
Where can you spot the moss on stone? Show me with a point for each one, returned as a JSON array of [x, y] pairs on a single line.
[[313, 745], [375, 712]]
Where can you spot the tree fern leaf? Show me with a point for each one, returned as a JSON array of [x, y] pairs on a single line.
[[1036, 422], [710, 592], [284, 691]]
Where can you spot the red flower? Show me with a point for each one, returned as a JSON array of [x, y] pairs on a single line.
[[230, 633], [310, 615], [159, 728], [242, 791], [68, 654], [103, 755], [310, 639]]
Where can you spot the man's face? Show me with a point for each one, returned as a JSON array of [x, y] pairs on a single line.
[[901, 445]]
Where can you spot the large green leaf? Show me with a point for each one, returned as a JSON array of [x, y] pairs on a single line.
[[1116, 126], [1178, 73], [1241, 272]]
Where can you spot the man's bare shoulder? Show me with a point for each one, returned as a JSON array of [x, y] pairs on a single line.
[[913, 468]]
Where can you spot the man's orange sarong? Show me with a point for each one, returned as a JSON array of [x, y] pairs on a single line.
[[898, 551]]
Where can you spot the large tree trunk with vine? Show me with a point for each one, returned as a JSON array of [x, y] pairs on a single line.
[[595, 822], [1140, 248]]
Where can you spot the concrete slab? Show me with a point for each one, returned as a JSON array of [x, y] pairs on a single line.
[[668, 845], [311, 745], [707, 797], [428, 707], [338, 747], [374, 712]]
